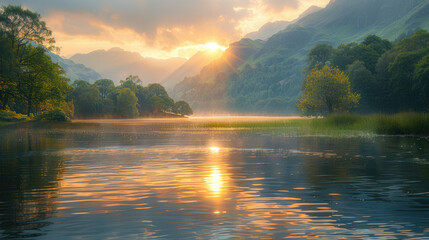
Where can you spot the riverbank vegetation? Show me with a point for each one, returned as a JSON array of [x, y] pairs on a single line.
[[336, 125], [32, 84], [389, 77]]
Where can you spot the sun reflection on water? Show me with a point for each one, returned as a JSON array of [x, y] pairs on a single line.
[[214, 149]]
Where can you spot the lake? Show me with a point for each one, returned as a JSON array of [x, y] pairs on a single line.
[[171, 179]]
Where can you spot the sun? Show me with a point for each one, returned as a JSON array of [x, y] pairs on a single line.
[[213, 46]]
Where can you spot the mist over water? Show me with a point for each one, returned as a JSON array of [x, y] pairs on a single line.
[[170, 179]]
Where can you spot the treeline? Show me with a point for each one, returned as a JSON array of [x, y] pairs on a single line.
[[32, 84], [390, 77], [130, 99]]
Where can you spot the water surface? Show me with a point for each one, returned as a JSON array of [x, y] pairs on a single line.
[[170, 179]]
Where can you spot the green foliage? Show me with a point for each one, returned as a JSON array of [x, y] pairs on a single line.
[[10, 116], [127, 104], [29, 79], [403, 124], [336, 125], [53, 116], [320, 55], [327, 91], [182, 108], [86, 99]]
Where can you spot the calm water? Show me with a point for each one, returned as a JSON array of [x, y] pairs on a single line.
[[170, 180]]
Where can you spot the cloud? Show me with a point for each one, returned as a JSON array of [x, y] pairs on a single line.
[[164, 25], [154, 19]]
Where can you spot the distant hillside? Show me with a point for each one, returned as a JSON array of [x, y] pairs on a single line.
[[191, 67], [116, 64], [270, 79], [268, 30], [75, 71], [207, 89], [271, 28]]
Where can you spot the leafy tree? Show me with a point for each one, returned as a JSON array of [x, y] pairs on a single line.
[[127, 104], [344, 55], [363, 82], [320, 55], [183, 108], [131, 82], [157, 104], [158, 90], [41, 80], [86, 99], [8, 72], [23, 27], [105, 86], [29, 76], [421, 76], [327, 91]]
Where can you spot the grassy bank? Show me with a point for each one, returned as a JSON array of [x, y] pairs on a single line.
[[339, 124]]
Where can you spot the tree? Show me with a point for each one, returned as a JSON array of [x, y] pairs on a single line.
[[327, 91], [157, 104], [363, 82], [86, 99], [8, 71], [421, 76], [41, 80], [183, 108], [105, 86], [28, 76], [23, 27], [127, 104], [320, 55]]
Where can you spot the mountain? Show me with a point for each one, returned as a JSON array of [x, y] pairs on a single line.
[[75, 71], [270, 79], [191, 67], [117, 64], [268, 30], [271, 28], [207, 89]]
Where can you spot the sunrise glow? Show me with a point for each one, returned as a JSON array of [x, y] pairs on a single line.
[[213, 46]]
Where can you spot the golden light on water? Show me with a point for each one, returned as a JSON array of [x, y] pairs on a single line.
[[214, 149], [215, 181]]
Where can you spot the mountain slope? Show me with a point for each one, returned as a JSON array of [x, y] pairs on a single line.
[[191, 67], [270, 80], [117, 64], [75, 71]]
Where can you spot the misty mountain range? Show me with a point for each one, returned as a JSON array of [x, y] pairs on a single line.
[[256, 75]]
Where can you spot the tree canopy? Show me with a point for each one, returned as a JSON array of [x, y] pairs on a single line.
[[327, 91]]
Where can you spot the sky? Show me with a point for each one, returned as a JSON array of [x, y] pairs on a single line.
[[158, 28]]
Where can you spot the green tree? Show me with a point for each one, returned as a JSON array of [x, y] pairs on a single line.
[[363, 82], [105, 86], [8, 72], [86, 99], [421, 76], [327, 91], [31, 73], [320, 55], [41, 80], [183, 108], [157, 104], [158, 90], [23, 27], [127, 104]]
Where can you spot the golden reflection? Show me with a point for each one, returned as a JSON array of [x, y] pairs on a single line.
[[215, 182], [214, 149]]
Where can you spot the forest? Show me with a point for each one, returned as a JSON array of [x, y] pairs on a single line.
[[389, 77], [32, 84]]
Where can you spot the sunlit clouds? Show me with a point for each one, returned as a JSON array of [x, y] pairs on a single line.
[[161, 28]]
